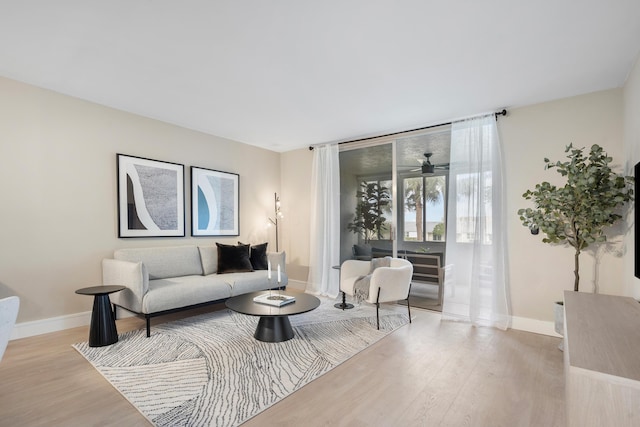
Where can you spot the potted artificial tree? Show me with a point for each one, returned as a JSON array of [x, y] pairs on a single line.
[[577, 213]]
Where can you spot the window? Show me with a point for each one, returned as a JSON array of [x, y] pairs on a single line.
[[373, 211], [386, 210], [424, 208]]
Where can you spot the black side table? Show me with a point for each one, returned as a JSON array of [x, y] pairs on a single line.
[[344, 304], [103, 321]]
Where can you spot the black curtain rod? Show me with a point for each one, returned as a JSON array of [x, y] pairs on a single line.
[[499, 113]]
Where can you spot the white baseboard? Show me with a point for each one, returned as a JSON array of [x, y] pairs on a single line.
[[536, 326], [55, 324], [60, 323], [52, 324], [297, 284]]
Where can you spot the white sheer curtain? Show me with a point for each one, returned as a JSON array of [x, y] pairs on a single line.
[[324, 250], [476, 288]]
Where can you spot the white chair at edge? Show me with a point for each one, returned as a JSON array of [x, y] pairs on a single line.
[[8, 314], [387, 283]]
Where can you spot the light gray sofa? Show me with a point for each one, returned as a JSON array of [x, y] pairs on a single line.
[[164, 280]]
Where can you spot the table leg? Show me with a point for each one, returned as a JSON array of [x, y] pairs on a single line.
[[344, 304], [274, 329], [103, 324]]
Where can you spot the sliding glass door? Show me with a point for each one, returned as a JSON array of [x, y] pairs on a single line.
[[367, 202], [393, 202], [423, 170]]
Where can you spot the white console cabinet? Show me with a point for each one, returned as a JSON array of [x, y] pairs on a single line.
[[602, 360]]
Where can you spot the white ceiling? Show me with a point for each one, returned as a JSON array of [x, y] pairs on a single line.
[[284, 74]]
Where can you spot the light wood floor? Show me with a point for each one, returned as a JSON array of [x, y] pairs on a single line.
[[424, 295], [429, 373]]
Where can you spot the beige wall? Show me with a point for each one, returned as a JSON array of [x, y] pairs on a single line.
[[296, 205], [632, 154], [539, 272], [58, 191]]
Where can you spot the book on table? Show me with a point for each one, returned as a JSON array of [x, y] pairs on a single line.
[[277, 300]]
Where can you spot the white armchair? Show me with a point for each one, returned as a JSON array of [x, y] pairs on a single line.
[[387, 283], [8, 313]]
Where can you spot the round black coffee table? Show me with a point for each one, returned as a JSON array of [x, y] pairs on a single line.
[[103, 322], [274, 325]]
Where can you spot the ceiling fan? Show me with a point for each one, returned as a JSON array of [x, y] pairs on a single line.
[[427, 167]]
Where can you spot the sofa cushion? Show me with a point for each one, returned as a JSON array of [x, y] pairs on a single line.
[[241, 283], [163, 262], [177, 292], [209, 259], [233, 259]]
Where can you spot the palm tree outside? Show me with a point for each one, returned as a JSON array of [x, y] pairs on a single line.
[[421, 191]]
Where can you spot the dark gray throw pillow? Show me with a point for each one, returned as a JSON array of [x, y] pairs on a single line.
[[362, 250], [258, 256], [233, 259]]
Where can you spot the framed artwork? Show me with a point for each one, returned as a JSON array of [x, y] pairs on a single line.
[[215, 206], [150, 198]]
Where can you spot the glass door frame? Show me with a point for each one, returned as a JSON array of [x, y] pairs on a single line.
[[397, 199]]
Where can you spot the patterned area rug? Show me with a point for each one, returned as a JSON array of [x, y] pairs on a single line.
[[208, 370]]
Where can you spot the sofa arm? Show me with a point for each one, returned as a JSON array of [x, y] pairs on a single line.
[[278, 259], [133, 275]]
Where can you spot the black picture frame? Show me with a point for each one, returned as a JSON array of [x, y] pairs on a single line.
[[215, 202], [150, 197], [636, 216]]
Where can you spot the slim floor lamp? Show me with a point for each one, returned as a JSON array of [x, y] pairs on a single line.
[[278, 215]]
